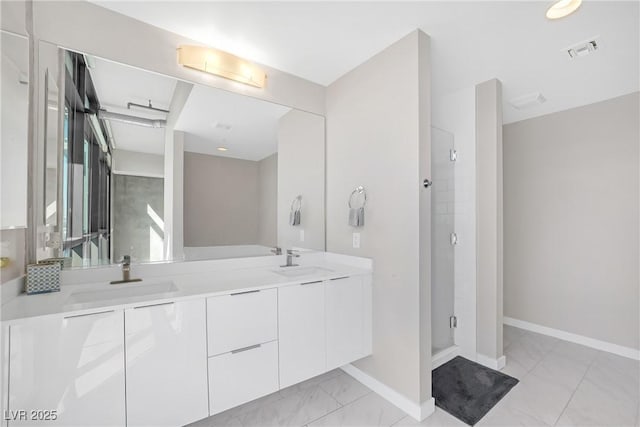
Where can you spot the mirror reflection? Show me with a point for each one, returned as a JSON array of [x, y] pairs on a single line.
[[161, 169], [14, 53]]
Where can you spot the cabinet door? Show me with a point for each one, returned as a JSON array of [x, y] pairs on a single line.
[[166, 356], [301, 332], [345, 321], [72, 365]]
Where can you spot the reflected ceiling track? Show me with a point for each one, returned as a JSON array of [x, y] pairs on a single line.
[[146, 107], [222, 64], [132, 120]]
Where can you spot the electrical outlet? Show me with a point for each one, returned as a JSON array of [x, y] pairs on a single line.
[[356, 240], [302, 235]]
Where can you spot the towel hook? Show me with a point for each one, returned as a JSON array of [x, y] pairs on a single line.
[[358, 191]]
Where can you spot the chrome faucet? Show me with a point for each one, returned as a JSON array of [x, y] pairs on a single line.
[[126, 272], [291, 254]]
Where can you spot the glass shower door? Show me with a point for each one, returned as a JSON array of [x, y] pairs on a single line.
[[442, 238]]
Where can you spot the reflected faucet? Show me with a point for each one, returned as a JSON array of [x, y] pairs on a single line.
[[126, 272], [291, 254]]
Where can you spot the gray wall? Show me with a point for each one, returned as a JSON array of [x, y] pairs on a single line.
[[378, 124], [301, 172], [229, 201], [571, 220], [489, 208], [138, 218], [267, 201]]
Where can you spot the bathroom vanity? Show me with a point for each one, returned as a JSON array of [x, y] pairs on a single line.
[[180, 346]]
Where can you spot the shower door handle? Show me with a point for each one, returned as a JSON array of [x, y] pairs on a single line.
[[427, 183]]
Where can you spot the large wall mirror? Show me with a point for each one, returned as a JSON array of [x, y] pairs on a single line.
[[141, 164]]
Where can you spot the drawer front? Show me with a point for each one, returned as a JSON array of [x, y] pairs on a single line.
[[241, 320], [243, 375]]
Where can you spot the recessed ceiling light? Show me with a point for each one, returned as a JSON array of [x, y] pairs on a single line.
[[222, 149], [527, 101], [563, 8]]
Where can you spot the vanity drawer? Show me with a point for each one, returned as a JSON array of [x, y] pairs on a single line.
[[243, 375], [241, 320]]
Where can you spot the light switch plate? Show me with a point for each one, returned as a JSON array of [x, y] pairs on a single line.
[[356, 240], [302, 235]]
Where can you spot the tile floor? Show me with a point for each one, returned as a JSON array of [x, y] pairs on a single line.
[[561, 384]]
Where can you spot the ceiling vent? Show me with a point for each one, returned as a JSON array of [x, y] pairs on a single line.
[[582, 49], [527, 101]]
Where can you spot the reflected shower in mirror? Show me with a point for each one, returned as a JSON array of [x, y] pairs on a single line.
[[163, 170]]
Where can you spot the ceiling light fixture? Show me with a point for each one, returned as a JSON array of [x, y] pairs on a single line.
[[221, 64], [222, 149], [527, 101], [563, 8]]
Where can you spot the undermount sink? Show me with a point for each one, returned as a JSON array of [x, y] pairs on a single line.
[[124, 291], [301, 271]]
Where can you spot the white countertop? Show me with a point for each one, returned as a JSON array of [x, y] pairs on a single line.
[[192, 285]]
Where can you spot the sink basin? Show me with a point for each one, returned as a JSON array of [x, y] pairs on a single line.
[[124, 291], [301, 271]]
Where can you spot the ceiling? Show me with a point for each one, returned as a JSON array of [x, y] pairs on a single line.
[[252, 123], [116, 85], [214, 118], [471, 42]]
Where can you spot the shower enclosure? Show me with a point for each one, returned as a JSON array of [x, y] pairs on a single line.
[[443, 239]]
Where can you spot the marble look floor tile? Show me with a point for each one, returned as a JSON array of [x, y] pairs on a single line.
[[514, 369], [370, 410], [344, 389], [576, 352], [618, 376], [504, 415], [592, 405], [312, 382], [295, 409], [529, 349], [539, 399], [439, 418], [231, 417], [561, 370], [510, 334]]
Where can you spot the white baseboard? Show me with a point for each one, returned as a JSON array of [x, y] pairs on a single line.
[[492, 363], [442, 357], [418, 412], [629, 352]]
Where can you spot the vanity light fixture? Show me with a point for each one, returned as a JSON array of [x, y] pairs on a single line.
[[563, 8], [221, 64]]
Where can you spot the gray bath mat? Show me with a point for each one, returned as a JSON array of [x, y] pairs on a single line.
[[468, 390]]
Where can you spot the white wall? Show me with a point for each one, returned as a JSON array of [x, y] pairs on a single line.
[[138, 164], [378, 129], [489, 208], [572, 222], [301, 170], [456, 113]]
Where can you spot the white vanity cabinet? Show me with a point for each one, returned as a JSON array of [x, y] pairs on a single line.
[[71, 365], [345, 320], [301, 325], [166, 360], [243, 347]]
